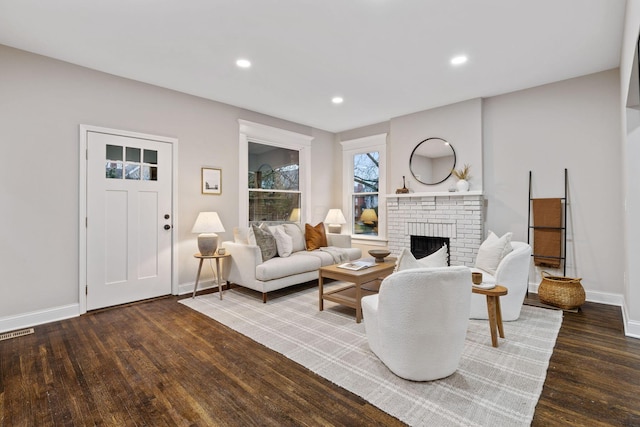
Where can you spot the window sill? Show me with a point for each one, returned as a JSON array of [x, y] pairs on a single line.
[[369, 241]]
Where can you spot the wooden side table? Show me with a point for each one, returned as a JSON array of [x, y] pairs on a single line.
[[493, 309], [218, 279]]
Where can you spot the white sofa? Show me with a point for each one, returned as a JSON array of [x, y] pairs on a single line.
[[247, 268], [512, 273]]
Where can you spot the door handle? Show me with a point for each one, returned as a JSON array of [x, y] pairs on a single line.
[[167, 227]]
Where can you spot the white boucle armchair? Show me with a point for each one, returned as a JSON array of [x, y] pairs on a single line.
[[417, 323]]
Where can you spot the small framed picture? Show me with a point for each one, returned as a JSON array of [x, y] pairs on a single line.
[[211, 181]]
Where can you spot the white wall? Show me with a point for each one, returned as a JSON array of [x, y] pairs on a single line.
[[573, 124], [42, 103], [460, 124], [631, 154]]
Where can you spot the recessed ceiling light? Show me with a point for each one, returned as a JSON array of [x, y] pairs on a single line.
[[457, 60], [337, 100], [243, 63]]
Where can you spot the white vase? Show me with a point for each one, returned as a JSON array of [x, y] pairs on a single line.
[[462, 185]]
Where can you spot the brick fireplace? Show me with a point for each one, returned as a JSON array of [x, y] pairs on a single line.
[[457, 216]]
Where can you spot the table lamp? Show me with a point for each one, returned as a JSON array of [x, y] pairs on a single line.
[[369, 217], [334, 220], [295, 215], [207, 225]]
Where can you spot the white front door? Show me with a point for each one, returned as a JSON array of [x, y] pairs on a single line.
[[129, 219]]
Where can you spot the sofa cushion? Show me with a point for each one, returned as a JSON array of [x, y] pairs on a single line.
[[491, 252], [297, 235], [406, 260], [266, 242], [284, 242], [333, 255], [277, 268], [315, 237]]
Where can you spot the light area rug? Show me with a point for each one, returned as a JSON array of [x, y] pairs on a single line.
[[492, 386]]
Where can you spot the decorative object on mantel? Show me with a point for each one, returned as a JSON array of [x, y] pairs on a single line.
[[463, 176], [404, 188], [379, 254]]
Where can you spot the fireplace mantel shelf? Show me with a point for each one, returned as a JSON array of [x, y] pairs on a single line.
[[437, 194]]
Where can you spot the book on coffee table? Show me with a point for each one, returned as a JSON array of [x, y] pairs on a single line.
[[357, 265]]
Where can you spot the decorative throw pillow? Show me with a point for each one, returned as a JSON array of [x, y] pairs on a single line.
[[244, 235], [297, 235], [492, 250], [315, 237], [266, 242], [406, 260], [284, 242]]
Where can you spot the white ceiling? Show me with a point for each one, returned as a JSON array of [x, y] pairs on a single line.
[[387, 58]]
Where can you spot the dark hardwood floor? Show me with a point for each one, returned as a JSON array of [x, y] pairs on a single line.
[[158, 363]]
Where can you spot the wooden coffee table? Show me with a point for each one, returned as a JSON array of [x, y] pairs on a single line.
[[493, 308], [352, 294]]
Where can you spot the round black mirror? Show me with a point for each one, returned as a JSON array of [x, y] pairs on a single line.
[[432, 161]]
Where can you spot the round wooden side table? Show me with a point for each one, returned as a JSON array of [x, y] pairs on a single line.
[[493, 309], [217, 257]]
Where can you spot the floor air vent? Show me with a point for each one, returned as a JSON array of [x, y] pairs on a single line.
[[15, 334]]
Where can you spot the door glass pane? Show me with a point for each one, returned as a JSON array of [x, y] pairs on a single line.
[[132, 171], [365, 214], [149, 173], [151, 157], [271, 206], [114, 152], [366, 172], [113, 170], [133, 154]]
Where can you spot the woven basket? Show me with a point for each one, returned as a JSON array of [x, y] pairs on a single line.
[[564, 292]]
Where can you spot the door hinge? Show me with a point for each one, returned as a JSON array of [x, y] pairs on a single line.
[[86, 289], [86, 222], [86, 154]]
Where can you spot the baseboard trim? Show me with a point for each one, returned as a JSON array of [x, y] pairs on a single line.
[[187, 288], [34, 318], [592, 296], [631, 327]]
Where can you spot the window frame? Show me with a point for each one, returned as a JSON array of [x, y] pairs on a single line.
[[360, 146], [281, 138]]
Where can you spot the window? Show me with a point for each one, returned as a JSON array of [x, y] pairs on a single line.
[[364, 177], [274, 183], [275, 174], [134, 166], [364, 199]]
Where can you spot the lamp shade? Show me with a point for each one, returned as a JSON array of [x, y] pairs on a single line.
[[335, 217], [295, 215], [207, 225], [369, 216]]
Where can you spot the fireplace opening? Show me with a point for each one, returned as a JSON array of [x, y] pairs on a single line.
[[421, 246]]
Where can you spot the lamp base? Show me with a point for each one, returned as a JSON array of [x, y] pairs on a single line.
[[335, 228], [207, 244]]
